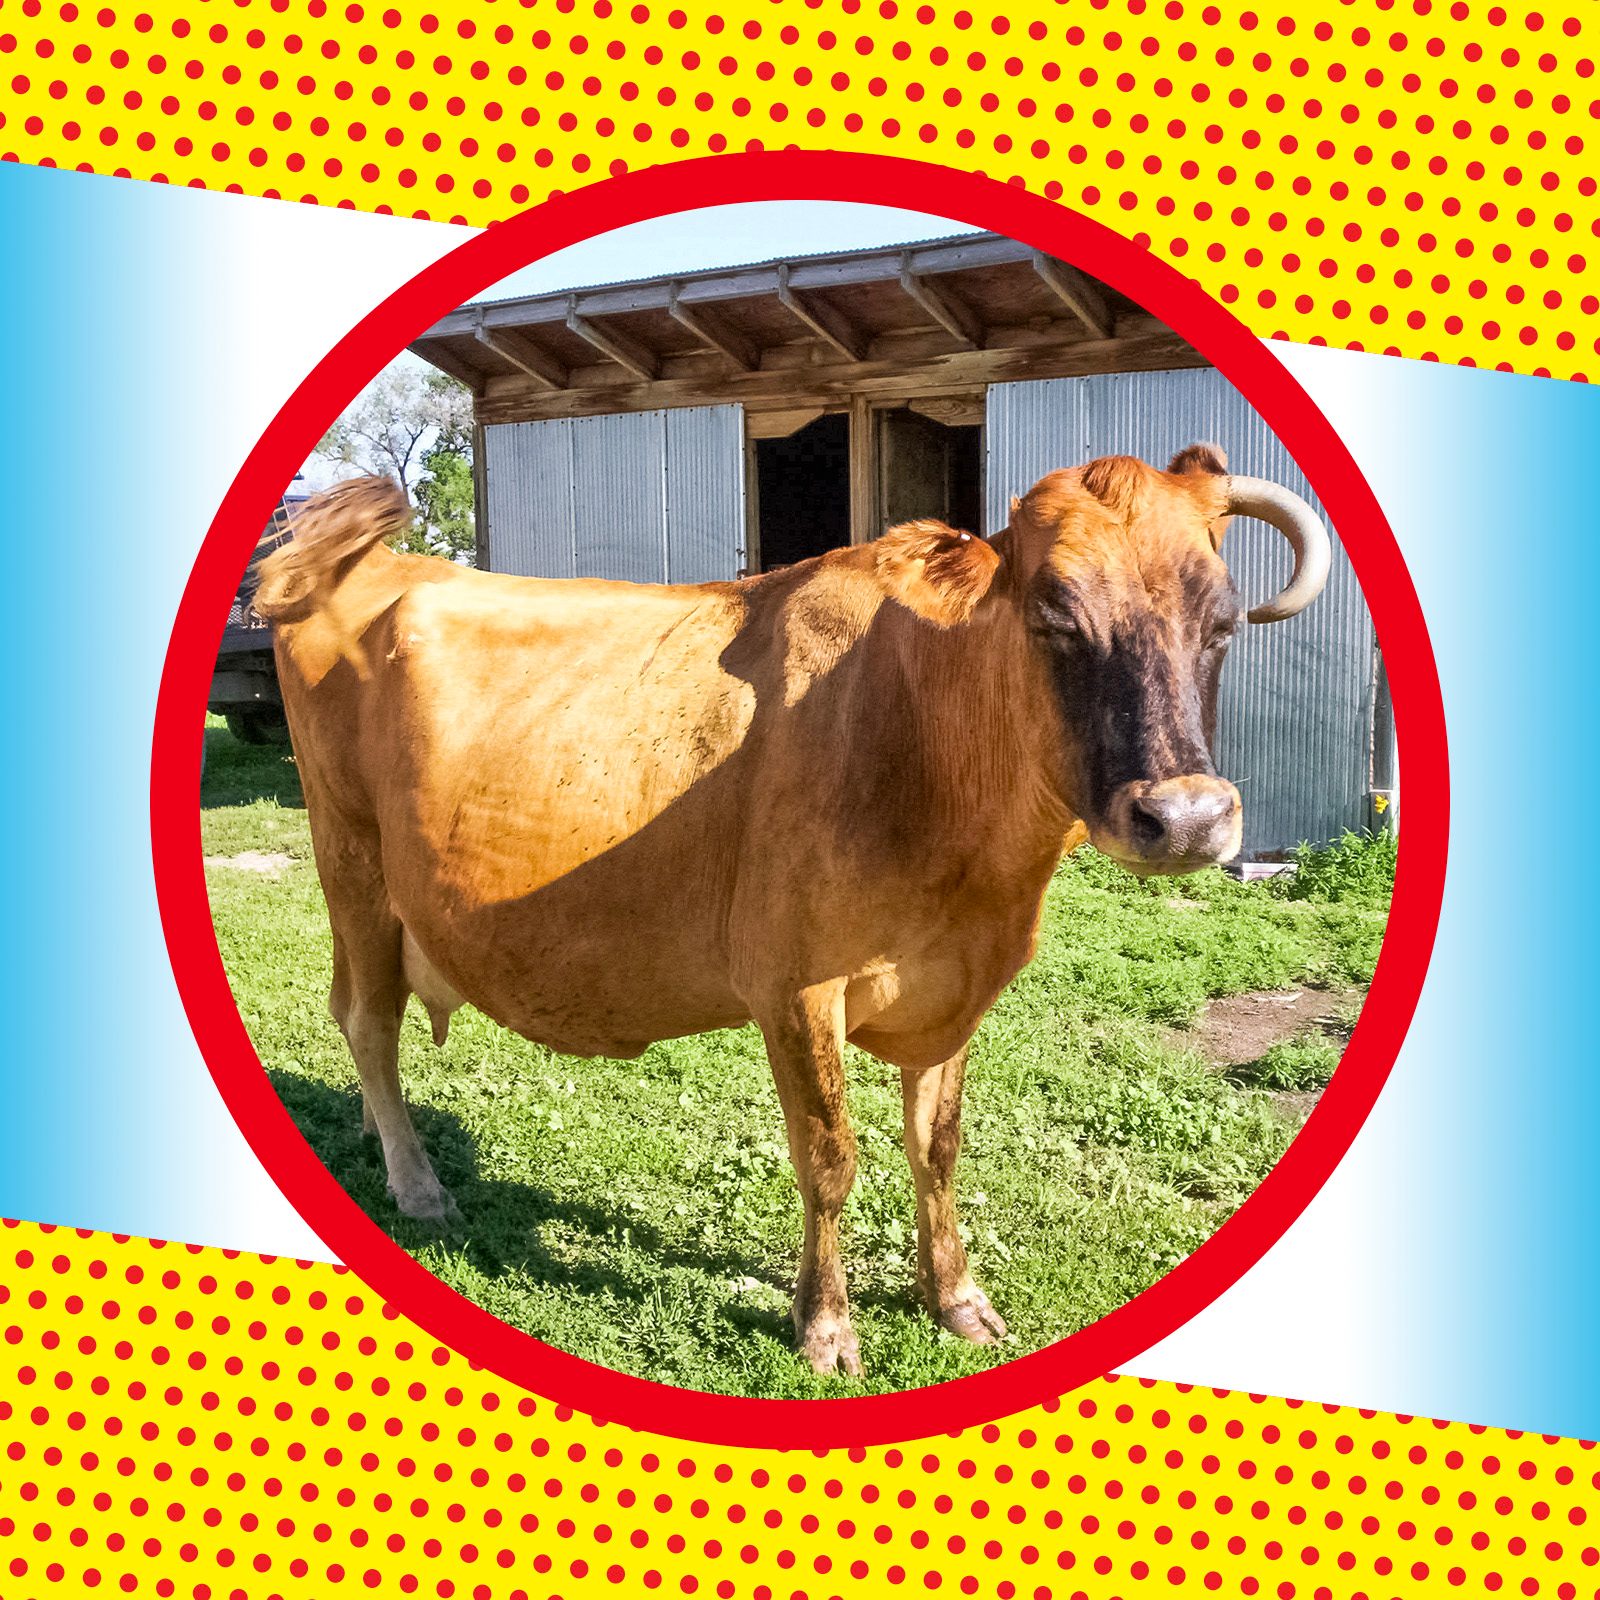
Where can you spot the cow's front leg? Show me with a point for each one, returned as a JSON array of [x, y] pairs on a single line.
[[932, 1098], [805, 1044]]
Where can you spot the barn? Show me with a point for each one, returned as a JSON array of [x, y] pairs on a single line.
[[713, 423]]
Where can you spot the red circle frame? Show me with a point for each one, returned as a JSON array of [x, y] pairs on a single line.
[[357, 1240]]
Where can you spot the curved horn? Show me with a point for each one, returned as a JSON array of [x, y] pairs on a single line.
[[1301, 526]]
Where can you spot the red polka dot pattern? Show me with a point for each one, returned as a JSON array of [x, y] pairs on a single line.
[[1408, 176], [199, 1423]]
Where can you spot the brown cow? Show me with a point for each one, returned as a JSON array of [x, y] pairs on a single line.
[[829, 798]]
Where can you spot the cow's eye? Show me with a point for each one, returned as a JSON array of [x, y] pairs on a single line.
[[1049, 621], [1221, 632], [1064, 634]]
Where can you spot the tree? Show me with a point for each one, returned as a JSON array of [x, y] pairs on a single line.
[[415, 426], [444, 497]]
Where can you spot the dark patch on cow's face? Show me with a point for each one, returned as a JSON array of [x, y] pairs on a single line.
[[1135, 668]]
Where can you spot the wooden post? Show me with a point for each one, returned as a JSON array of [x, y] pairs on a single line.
[[751, 563], [863, 472], [480, 499]]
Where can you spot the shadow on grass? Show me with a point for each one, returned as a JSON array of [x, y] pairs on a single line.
[[236, 774], [499, 1231]]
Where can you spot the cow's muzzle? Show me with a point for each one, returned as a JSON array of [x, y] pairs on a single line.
[[1172, 825]]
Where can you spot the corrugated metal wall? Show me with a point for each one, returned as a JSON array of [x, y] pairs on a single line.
[[705, 493], [527, 475], [1295, 720], [652, 496]]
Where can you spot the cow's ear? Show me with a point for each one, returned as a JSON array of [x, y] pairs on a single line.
[[1204, 461], [936, 571]]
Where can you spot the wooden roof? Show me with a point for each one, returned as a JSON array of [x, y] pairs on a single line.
[[942, 317]]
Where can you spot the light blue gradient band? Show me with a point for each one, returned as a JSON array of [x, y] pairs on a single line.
[[1449, 1268]]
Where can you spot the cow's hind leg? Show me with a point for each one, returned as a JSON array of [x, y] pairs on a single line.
[[367, 1001], [805, 1044], [932, 1099]]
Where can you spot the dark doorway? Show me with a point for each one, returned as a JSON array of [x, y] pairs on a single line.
[[928, 468], [803, 492]]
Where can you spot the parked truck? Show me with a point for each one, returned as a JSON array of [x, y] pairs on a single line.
[[244, 684]]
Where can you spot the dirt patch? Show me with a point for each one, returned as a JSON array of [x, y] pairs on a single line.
[[1241, 1028], [270, 863]]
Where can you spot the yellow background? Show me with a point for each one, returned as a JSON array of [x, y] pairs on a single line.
[[1412, 178], [266, 1427]]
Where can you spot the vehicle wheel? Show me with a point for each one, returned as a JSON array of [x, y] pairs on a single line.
[[258, 725]]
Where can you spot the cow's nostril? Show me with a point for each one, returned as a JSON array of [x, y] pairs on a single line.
[[1148, 824], [1179, 819]]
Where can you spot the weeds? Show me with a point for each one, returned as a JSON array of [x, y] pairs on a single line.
[[1304, 1063], [1357, 869]]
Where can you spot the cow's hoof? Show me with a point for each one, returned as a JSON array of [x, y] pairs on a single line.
[[830, 1346], [435, 1207], [973, 1318]]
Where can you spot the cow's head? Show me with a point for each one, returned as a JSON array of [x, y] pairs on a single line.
[[1129, 605]]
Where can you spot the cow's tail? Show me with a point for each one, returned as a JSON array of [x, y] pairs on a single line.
[[330, 533]]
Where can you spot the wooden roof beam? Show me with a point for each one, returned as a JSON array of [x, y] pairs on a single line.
[[955, 318], [1079, 294], [713, 332], [807, 274], [517, 348], [473, 378], [787, 381], [829, 324], [614, 343]]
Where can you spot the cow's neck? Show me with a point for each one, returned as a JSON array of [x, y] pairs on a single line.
[[989, 731]]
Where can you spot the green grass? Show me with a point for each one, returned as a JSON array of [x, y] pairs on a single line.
[[1304, 1062], [643, 1214]]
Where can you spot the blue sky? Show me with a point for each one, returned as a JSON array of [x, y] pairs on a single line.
[[721, 236]]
